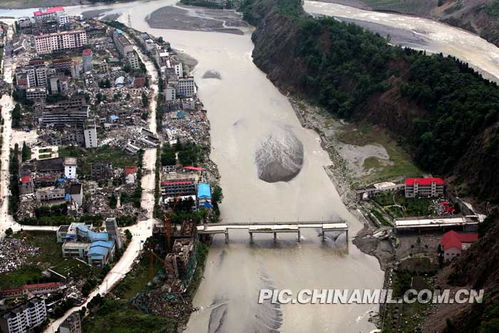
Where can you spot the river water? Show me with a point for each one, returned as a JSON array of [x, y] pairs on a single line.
[[420, 33], [244, 108]]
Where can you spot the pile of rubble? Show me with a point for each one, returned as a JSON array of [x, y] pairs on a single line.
[[190, 125], [14, 253], [161, 303]]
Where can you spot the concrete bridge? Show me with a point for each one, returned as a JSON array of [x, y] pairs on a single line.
[[271, 227]]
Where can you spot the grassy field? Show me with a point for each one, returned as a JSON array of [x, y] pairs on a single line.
[[138, 278], [400, 163], [397, 205], [407, 318], [116, 316], [113, 155], [50, 256]]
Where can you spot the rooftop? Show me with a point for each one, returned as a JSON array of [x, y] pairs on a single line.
[[204, 191], [49, 11], [70, 161], [453, 239], [424, 181]]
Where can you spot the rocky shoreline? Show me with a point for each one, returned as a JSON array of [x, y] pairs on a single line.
[[311, 117]]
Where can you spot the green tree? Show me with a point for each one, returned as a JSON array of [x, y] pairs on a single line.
[[25, 152], [16, 116], [145, 99], [217, 194], [113, 201]]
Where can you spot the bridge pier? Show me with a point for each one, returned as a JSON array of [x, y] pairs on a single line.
[[273, 228]]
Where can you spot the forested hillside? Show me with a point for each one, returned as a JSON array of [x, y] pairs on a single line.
[[441, 110], [478, 16], [444, 112]]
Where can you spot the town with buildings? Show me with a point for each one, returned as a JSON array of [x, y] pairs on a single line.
[[98, 108], [418, 226], [109, 193]]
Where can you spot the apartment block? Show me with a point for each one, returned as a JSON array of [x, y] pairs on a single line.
[[423, 187], [64, 40], [25, 317], [90, 137], [186, 87]]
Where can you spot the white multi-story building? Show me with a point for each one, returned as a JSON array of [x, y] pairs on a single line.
[[423, 187], [31, 76], [63, 19], [70, 168], [186, 87], [133, 60], [87, 58], [179, 70], [48, 43], [24, 317], [36, 94], [125, 49], [90, 137], [50, 14], [170, 93]]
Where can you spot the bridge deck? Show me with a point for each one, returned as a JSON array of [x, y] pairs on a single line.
[[270, 227]]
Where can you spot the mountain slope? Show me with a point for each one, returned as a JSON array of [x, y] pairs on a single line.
[[441, 110], [478, 16], [444, 113]]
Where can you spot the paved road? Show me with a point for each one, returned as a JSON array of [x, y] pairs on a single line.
[[143, 229], [7, 104]]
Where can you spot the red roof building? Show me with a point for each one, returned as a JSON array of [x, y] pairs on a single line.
[[49, 11], [193, 168], [131, 170], [453, 243], [177, 188], [33, 289], [424, 187], [424, 181], [25, 179]]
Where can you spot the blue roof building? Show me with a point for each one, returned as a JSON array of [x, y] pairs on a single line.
[[98, 236], [204, 191], [100, 253], [204, 195]]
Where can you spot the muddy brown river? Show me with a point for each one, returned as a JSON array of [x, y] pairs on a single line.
[[245, 110]]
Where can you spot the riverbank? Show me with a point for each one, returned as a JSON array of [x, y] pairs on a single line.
[[24, 4], [348, 169], [191, 18], [478, 17]]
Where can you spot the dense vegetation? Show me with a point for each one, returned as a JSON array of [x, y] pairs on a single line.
[[188, 154], [440, 109], [436, 105], [14, 183], [225, 4], [493, 8]]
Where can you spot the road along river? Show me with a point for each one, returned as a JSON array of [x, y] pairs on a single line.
[[247, 113]]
